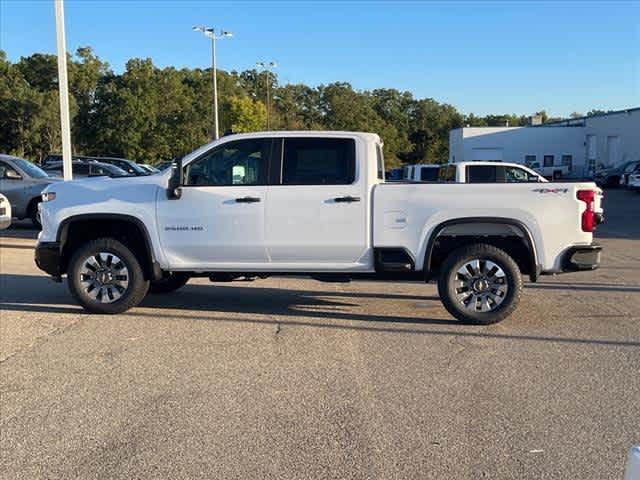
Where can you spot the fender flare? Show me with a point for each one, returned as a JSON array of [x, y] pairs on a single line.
[[528, 238], [63, 229]]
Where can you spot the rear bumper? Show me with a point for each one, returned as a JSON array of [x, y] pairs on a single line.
[[581, 258], [47, 256]]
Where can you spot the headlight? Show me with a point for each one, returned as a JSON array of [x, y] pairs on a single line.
[[48, 196]]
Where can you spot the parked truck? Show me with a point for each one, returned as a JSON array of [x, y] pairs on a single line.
[[315, 203]]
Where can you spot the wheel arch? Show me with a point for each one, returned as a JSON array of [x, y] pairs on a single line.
[[526, 235], [113, 225]]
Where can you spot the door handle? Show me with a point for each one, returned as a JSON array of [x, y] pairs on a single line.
[[247, 200], [347, 199]]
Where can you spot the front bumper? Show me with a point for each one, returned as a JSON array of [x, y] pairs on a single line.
[[580, 258], [48, 258]]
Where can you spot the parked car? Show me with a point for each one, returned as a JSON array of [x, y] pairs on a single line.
[[5, 212], [149, 168], [488, 172], [22, 183], [311, 203], [634, 180], [628, 170], [421, 173], [87, 169], [57, 157], [552, 172], [395, 175], [129, 166], [610, 177]]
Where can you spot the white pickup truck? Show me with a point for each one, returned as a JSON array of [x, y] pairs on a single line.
[[289, 203]]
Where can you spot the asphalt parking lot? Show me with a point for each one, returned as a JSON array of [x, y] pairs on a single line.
[[293, 378]]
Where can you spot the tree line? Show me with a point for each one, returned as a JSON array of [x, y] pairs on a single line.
[[150, 114]]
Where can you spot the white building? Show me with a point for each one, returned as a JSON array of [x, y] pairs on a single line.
[[584, 144]]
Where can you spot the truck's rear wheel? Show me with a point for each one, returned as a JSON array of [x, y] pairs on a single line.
[[105, 277], [170, 283], [480, 284]]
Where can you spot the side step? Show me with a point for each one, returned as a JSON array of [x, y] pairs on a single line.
[[393, 260]]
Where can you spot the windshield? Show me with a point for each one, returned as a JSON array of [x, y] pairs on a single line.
[[112, 171], [29, 168], [127, 166]]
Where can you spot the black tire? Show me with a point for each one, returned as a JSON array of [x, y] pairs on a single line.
[[170, 283], [33, 214], [468, 314], [136, 288]]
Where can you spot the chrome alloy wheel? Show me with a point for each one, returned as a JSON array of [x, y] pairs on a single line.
[[480, 285], [104, 277]]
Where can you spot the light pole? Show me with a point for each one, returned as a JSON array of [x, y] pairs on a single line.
[[267, 67], [210, 32], [63, 91]]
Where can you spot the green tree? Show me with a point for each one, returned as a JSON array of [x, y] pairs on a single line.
[[246, 114]]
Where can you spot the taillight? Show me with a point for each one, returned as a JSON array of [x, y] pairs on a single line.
[[588, 197]]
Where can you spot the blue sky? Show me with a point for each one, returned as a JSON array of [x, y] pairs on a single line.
[[481, 57]]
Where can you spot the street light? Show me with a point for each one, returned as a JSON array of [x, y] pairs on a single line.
[[63, 87], [267, 67], [211, 33]]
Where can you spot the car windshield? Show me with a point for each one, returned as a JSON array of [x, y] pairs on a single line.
[[29, 168], [128, 166], [116, 171]]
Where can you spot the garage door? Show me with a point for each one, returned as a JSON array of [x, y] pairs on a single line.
[[486, 154]]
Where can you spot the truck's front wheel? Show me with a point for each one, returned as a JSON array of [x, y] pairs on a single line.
[[480, 284], [105, 277]]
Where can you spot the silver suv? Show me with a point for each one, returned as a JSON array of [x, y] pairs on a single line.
[[22, 183]]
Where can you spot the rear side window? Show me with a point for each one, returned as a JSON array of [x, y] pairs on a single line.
[[318, 161], [481, 174], [447, 173], [429, 174], [80, 169]]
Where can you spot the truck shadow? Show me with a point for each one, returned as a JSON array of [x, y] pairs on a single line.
[[30, 293], [39, 294]]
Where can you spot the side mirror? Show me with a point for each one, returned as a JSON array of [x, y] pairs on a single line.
[[174, 187], [12, 175], [533, 178]]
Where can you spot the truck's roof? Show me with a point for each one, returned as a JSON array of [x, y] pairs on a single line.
[[504, 164], [366, 136]]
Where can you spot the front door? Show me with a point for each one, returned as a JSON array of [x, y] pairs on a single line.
[[316, 214], [219, 220], [13, 187]]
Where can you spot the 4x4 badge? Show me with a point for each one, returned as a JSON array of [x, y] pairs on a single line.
[[551, 190]]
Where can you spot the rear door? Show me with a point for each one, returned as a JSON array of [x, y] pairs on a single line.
[[317, 208]]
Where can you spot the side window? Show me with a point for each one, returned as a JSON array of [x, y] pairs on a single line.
[[529, 159], [243, 162], [318, 161], [428, 174], [6, 171], [515, 175], [448, 173], [481, 174], [548, 160], [380, 161], [80, 169]]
